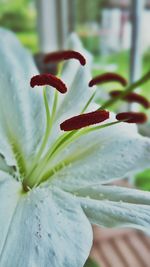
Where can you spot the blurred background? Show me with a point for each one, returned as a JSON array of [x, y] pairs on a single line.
[[109, 29], [115, 32]]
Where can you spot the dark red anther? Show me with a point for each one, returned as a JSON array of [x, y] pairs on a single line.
[[132, 117], [63, 55], [132, 97], [48, 79], [84, 120], [108, 77]]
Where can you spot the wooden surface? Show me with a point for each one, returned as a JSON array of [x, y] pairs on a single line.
[[121, 248]]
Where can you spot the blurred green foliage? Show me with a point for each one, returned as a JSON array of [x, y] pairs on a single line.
[[13, 5], [92, 43], [17, 21], [17, 15], [29, 40], [88, 10], [20, 17], [91, 263], [142, 180]]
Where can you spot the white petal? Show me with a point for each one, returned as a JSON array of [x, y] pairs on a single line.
[[118, 208], [115, 193], [4, 167], [42, 229], [78, 90], [102, 156], [9, 197], [76, 78], [21, 108]]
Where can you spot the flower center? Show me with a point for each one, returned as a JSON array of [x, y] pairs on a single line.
[[42, 167]]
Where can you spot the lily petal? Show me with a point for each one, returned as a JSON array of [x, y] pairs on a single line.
[[103, 156], [4, 167], [118, 207], [76, 78], [115, 193], [22, 112], [42, 228]]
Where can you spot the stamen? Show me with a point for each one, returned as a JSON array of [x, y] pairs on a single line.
[[63, 55], [108, 77], [48, 79], [129, 88], [84, 120], [132, 97], [132, 117]]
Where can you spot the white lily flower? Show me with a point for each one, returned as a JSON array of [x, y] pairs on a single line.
[[46, 207]]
